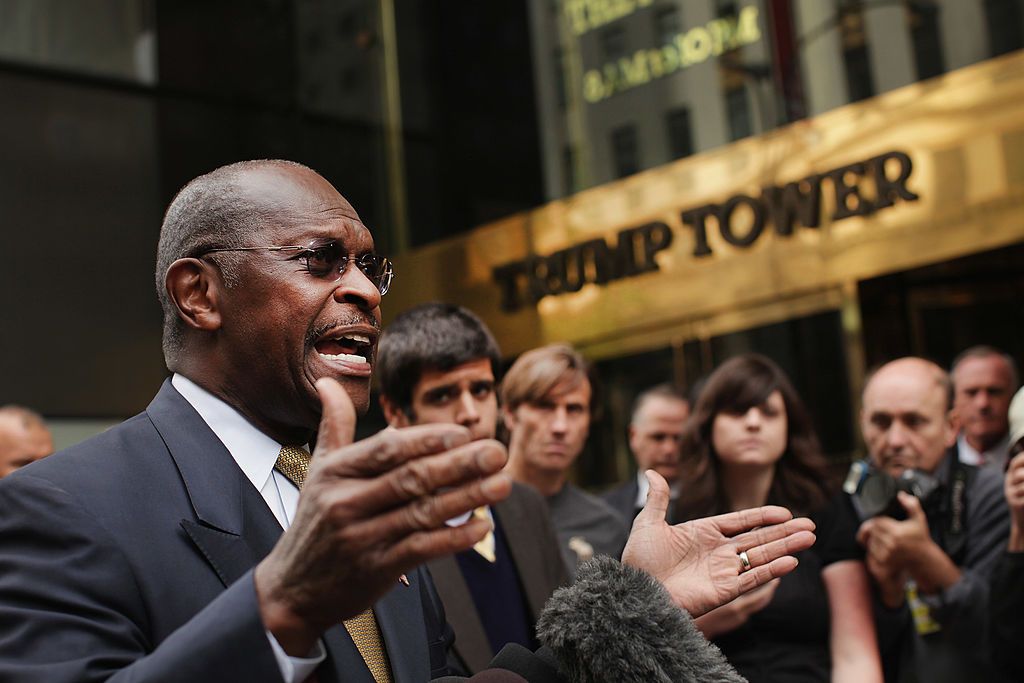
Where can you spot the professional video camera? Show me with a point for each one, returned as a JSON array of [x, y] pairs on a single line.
[[874, 491]]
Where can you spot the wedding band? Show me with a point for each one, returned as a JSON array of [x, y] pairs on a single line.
[[744, 561]]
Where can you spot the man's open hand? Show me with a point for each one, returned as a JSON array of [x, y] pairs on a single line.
[[369, 511], [698, 561]]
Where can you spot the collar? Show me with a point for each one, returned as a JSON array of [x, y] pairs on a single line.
[[970, 456], [253, 451], [643, 487]]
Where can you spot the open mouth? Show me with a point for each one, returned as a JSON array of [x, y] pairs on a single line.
[[348, 347]]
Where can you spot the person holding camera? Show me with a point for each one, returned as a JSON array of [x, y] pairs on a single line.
[[1007, 595], [930, 558]]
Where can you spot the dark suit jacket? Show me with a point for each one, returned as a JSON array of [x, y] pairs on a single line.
[[623, 499], [534, 548], [129, 557]]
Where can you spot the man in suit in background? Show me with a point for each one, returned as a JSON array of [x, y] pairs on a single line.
[[547, 402], [132, 554], [437, 363], [24, 438], [984, 379], [655, 433]]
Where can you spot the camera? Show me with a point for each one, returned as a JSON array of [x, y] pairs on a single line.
[[873, 491]]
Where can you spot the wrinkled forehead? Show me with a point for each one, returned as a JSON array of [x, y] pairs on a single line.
[[301, 200], [905, 393], [982, 370]]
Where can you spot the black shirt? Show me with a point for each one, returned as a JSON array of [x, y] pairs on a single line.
[[789, 639]]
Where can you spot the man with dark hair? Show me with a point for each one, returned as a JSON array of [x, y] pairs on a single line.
[[437, 364], [935, 563], [24, 438], [546, 404], [984, 379], [198, 541], [655, 435]]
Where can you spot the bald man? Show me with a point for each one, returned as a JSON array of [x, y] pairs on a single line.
[[935, 564], [24, 438]]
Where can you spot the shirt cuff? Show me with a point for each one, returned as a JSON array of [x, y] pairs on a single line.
[[296, 669]]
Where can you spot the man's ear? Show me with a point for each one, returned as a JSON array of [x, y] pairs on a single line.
[[952, 427], [195, 291], [508, 417], [395, 416]]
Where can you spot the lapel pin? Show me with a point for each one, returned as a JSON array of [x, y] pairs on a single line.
[[404, 580]]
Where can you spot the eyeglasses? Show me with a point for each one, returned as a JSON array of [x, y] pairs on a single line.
[[328, 262]]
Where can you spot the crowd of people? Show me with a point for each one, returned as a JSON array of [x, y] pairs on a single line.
[[234, 531]]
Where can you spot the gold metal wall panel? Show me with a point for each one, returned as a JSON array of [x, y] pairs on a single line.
[[963, 133]]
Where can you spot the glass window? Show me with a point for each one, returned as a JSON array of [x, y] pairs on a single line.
[[680, 138], [569, 168], [738, 107], [613, 43], [925, 33], [666, 24], [856, 60], [1005, 19], [111, 38], [624, 151]]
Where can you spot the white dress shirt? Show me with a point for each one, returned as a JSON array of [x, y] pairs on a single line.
[[255, 453], [643, 487], [994, 458]]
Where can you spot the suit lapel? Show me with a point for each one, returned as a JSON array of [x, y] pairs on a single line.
[[529, 565], [234, 530], [233, 527], [460, 610], [400, 618]]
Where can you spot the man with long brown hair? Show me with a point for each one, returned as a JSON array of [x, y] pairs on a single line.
[[546, 403]]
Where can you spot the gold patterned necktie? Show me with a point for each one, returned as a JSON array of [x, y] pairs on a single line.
[[485, 546], [293, 463]]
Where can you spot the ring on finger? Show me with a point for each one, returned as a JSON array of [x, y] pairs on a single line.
[[744, 561]]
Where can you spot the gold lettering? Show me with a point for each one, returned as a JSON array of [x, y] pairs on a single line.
[[576, 13], [671, 58], [656, 63], [593, 86], [691, 47], [723, 35], [748, 31], [612, 80], [587, 15], [696, 45], [634, 71]]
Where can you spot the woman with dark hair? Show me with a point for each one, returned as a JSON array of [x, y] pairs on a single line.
[[750, 442]]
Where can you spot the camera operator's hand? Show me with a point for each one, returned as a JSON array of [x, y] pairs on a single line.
[[897, 547], [1014, 488]]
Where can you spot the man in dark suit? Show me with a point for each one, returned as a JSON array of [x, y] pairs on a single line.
[[655, 434], [178, 547], [436, 363], [132, 555]]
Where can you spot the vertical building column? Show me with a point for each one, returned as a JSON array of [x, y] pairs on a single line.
[[964, 32], [889, 46], [550, 115], [821, 55]]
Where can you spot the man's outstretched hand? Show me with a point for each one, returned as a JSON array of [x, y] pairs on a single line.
[[698, 561], [369, 511]]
